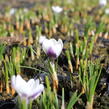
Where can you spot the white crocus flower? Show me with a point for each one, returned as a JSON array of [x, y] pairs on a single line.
[[27, 90], [107, 11], [12, 11], [52, 47], [57, 9], [41, 39], [102, 2]]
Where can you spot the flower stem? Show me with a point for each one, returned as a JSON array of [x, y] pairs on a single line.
[[54, 75], [24, 104], [55, 81], [30, 104], [89, 105]]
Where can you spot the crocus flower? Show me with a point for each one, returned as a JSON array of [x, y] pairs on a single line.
[[107, 11], [102, 2], [12, 11], [27, 90], [52, 47], [41, 39], [57, 9]]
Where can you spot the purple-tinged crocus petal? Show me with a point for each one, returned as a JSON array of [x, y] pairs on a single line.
[[51, 53], [52, 47], [37, 92]]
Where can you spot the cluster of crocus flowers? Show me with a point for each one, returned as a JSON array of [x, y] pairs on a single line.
[[27, 90], [53, 49]]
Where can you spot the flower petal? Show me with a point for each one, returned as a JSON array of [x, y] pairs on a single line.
[[102, 2], [13, 81], [51, 53], [58, 48], [21, 85], [41, 39], [37, 91], [46, 45], [37, 82], [57, 9]]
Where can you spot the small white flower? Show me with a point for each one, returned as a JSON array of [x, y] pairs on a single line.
[[12, 11], [107, 11], [57, 9], [102, 2], [27, 90], [41, 39], [52, 47]]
